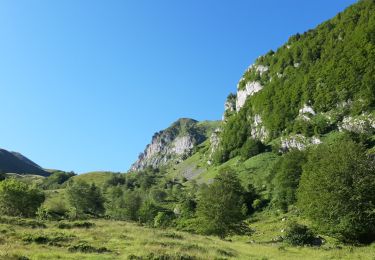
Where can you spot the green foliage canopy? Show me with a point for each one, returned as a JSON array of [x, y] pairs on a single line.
[[323, 68], [288, 171], [220, 206], [123, 204], [19, 199], [337, 190], [86, 199]]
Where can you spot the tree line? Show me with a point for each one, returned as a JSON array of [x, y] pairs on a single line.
[[333, 185]]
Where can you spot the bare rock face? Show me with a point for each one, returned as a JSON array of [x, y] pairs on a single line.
[[298, 142], [258, 131], [173, 144], [306, 112], [250, 89], [294, 142], [261, 69], [364, 123], [214, 143], [183, 144]]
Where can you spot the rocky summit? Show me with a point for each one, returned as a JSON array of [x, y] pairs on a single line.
[[175, 143]]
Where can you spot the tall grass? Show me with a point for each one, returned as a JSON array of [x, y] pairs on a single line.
[[123, 240]]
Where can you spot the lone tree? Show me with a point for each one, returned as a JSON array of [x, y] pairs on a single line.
[[288, 172], [337, 191], [220, 208], [123, 204], [19, 199], [85, 198]]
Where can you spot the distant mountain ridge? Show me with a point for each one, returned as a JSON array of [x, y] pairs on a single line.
[[13, 162]]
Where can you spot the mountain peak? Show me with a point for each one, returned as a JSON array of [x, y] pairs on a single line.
[[175, 143]]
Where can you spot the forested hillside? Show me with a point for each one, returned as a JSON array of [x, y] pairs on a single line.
[[319, 81]]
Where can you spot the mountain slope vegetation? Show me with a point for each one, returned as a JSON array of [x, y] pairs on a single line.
[[288, 173], [318, 82]]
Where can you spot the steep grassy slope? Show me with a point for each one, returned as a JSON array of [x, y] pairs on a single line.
[[98, 178], [256, 170]]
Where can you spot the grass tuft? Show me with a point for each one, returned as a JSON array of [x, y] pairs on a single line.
[[84, 247], [79, 224]]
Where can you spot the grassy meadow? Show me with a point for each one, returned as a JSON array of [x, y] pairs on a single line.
[[107, 239]]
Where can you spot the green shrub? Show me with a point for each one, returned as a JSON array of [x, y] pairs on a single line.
[[19, 199], [55, 207], [116, 180], [44, 238], [187, 205], [16, 257], [85, 198], [226, 252], [251, 148], [259, 204], [148, 212], [56, 180], [84, 247], [186, 224], [172, 235], [43, 214], [288, 171], [77, 224], [122, 205], [30, 223], [337, 191], [220, 206], [299, 235], [161, 256], [163, 219], [158, 195], [235, 133]]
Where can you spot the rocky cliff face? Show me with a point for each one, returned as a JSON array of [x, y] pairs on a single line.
[[242, 94], [251, 87], [175, 143]]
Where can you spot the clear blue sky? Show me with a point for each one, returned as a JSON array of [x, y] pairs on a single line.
[[84, 84]]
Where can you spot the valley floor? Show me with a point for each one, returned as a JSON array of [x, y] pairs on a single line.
[[123, 240]]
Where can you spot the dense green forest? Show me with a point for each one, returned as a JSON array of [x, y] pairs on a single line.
[[331, 69]]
